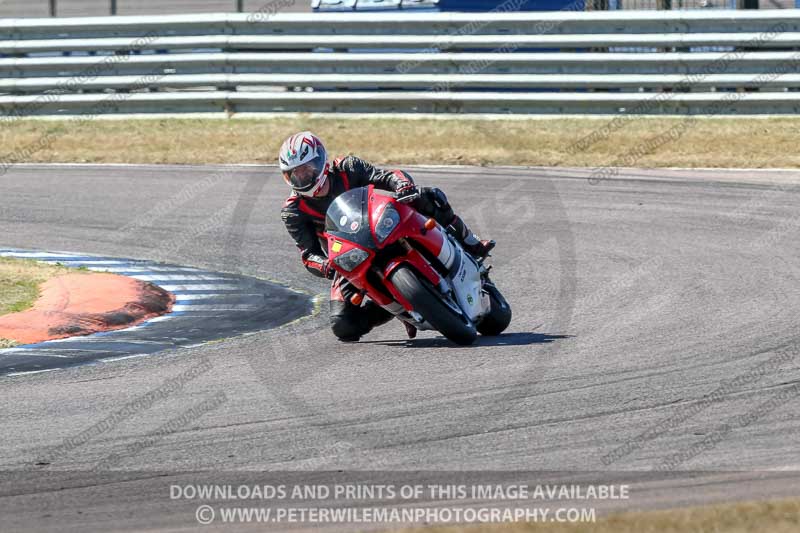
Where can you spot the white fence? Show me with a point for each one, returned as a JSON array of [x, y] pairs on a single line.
[[698, 62]]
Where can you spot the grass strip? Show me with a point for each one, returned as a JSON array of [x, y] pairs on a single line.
[[778, 516], [631, 142], [20, 280]]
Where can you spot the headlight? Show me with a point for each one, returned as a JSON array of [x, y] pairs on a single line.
[[351, 259], [389, 220]]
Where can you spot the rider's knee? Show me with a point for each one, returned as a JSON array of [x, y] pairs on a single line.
[[435, 196], [440, 208], [348, 327], [438, 197]]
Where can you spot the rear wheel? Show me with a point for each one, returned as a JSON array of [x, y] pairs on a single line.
[[427, 302], [499, 316]]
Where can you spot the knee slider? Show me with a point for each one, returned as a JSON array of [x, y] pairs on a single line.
[[347, 327]]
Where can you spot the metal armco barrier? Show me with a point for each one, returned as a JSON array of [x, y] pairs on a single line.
[[695, 62]]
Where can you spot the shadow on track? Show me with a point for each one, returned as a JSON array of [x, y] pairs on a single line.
[[506, 339]]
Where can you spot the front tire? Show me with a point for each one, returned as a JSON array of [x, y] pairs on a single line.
[[429, 304]]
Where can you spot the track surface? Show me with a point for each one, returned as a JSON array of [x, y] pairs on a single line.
[[634, 300]]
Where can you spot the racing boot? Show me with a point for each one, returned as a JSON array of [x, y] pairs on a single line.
[[472, 243]]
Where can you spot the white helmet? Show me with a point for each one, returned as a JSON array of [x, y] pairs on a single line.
[[304, 163]]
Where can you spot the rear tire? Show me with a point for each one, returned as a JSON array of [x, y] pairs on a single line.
[[428, 304], [499, 316]]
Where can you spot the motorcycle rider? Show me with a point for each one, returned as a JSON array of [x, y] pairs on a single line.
[[315, 183]]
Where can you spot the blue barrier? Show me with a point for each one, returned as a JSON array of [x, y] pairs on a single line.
[[470, 6], [507, 5]]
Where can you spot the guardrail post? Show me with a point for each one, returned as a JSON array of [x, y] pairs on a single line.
[[113, 7], [52, 8], [240, 6]]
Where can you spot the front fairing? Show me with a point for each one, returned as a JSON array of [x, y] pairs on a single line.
[[348, 218]]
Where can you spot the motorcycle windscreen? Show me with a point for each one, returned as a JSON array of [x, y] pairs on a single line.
[[348, 218]]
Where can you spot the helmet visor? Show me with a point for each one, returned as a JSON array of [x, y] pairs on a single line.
[[304, 177]]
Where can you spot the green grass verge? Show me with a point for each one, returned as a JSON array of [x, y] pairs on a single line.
[[780, 516], [630, 142], [19, 286], [20, 280]]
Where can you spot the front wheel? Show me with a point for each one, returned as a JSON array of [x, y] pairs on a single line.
[[429, 304]]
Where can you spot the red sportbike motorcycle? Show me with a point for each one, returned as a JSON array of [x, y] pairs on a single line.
[[412, 267]]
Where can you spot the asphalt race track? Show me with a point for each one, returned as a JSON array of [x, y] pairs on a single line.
[[655, 329]]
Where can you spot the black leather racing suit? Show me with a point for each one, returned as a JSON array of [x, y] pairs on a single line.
[[304, 218]]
